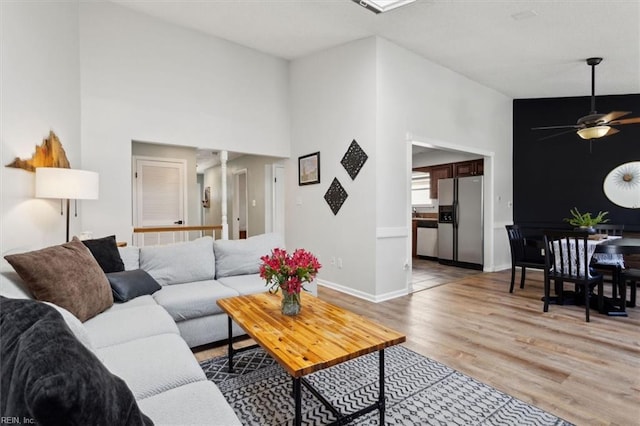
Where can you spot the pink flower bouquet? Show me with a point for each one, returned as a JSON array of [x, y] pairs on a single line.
[[288, 272]]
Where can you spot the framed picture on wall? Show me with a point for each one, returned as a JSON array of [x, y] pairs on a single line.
[[206, 202], [309, 169]]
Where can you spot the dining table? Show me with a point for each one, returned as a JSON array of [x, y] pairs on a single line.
[[618, 247], [623, 245]]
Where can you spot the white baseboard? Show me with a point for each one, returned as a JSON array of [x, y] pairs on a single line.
[[502, 267], [362, 295]]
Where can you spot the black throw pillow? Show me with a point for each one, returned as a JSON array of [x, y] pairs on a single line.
[[105, 250], [127, 285], [49, 378]]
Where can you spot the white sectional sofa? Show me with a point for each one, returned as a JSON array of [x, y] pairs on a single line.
[[146, 340]]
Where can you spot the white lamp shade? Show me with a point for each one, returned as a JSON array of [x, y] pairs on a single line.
[[52, 182]]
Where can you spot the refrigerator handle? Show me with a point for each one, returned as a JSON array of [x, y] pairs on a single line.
[[456, 210]]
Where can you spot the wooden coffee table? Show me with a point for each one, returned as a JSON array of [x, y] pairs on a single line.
[[321, 336]]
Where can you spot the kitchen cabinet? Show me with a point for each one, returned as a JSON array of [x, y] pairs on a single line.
[[442, 171], [468, 168]]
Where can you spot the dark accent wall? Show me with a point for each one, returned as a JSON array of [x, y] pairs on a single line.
[[551, 176]]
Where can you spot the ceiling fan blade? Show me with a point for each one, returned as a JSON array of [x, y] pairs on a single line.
[[567, 126], [633, 120], [611, 131], [557, 134], [614, 115]]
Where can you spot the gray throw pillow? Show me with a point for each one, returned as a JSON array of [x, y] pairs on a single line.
[[127, 285]]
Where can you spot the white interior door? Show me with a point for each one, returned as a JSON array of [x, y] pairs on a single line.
[[240, 205], [159, 189]]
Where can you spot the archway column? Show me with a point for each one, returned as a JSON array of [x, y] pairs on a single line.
[[224, 156]]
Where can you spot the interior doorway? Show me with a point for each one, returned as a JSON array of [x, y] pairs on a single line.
[[418, 273], [240, 211]]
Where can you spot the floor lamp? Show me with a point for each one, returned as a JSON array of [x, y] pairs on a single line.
[[66, 184]]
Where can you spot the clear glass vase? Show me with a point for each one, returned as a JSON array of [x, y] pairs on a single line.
[[290, 303]]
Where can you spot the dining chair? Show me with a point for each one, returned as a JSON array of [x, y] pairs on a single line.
[[567, 260], [629, 278], [610, 271], [521, 255], [609, 229]]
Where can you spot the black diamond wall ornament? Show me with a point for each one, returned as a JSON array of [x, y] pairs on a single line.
[[335, 196], [354, 159]]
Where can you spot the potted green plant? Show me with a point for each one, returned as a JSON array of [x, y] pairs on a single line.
[[585, 221]]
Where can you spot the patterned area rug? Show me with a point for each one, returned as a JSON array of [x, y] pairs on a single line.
[[418, 391]]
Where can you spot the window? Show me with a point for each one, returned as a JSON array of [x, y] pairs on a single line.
[[420, 189]]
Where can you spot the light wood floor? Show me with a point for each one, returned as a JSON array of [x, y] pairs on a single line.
[[586, 373], [427, 274]]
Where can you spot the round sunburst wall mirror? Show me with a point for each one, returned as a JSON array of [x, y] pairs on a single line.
[[622, 185]]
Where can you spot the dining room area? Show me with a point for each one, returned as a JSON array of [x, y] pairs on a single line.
[[576, 207], [601, 262]]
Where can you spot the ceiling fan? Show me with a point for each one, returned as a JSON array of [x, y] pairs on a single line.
[[593, 125]]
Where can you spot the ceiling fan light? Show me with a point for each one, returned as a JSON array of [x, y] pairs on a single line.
[[593, 132]]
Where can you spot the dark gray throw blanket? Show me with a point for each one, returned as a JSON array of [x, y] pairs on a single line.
[[48, 377]]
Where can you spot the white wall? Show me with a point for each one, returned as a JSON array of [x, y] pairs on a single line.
[[435, 104], [333, 102], [40, 89], [380, 94], [143, 79]]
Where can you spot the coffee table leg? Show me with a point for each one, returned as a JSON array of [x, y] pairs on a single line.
[[230, 343], [381, 399], [297, 397]]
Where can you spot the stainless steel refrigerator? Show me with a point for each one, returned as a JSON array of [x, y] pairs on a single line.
[[461, 222]]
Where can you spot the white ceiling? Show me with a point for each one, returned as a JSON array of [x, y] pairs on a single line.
[[540, 55]]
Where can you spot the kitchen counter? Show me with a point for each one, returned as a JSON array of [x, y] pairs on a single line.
[[422, 222]]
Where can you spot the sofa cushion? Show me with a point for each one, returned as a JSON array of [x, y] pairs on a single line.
[[145, 300], [239, 257], [49, 377], [67, 275], [180, 262], [130, 257], [192, 300], [199, 403], [153, 364], [245, 284], [11, 285], [127, 285], [74, 324], [105, 251], [119, 326]]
